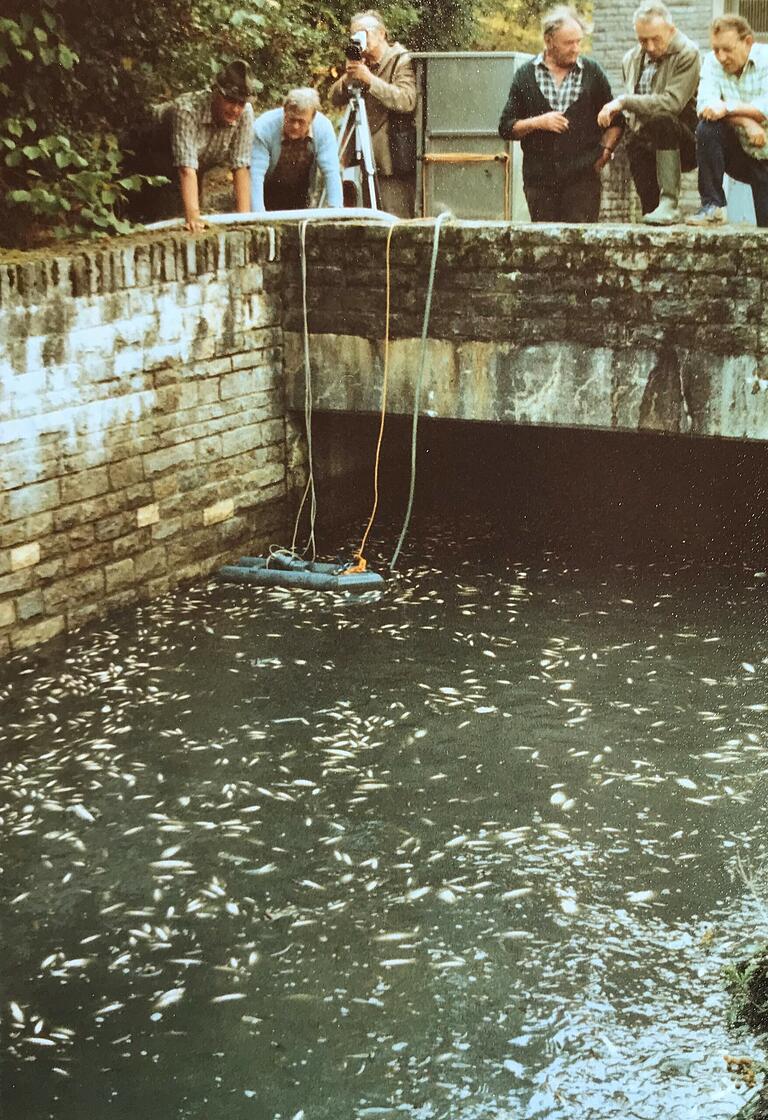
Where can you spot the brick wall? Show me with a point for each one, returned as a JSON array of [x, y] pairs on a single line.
[[142, 424]]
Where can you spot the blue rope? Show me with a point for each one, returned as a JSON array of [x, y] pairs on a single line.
[[419, 378]]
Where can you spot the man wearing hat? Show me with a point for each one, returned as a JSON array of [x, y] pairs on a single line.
[[213, 128], [187, 136]]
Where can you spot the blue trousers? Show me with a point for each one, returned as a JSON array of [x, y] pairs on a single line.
[[718, 153]]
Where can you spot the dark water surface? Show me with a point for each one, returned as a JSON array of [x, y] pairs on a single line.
[[464, 849]]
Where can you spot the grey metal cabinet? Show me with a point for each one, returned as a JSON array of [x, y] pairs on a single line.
[[464, 165]]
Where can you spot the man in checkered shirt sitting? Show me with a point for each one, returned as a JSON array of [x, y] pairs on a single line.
[[552, 110]]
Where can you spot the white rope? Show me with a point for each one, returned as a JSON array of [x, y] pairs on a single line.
[[309, 489]]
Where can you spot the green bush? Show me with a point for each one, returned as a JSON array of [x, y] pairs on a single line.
[[75, 74]]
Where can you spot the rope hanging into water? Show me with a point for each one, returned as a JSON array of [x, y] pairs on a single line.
[[309, 489], [419, 378], [360, 566]]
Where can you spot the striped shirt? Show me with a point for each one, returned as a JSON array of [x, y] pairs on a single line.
[[647, 74], [562, 96], [197, 140], [749, 88]]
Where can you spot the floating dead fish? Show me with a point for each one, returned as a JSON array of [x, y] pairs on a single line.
[[445, 894], [109, 1008], [81, 812], [173, 995], [686, 783]]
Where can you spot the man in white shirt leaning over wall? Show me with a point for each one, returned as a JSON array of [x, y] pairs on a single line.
[[732, 134]]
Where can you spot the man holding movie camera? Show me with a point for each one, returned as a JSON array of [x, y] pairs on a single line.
[[386, 75]]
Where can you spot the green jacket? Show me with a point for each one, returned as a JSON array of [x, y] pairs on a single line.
[[674, 84]]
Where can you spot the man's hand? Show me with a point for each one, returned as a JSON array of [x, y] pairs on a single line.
[[608, 112], [714, 112], [358, 72], [553, 122], [604, 157], [755, 132], [190, 199]]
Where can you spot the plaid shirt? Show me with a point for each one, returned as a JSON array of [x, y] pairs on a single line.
[[197, 141], [562, 96], [647, 74], [750, 88]]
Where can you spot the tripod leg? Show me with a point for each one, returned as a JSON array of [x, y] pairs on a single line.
[[359, 176]]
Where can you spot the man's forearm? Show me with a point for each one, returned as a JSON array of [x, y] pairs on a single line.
[[742, 109], [611, 136], [525, 125], [190, 198], [242, 183]]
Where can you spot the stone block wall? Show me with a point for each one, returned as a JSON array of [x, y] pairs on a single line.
[[605, 327], [142, 421]]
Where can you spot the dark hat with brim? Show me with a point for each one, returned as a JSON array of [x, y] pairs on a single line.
[[235, 81]]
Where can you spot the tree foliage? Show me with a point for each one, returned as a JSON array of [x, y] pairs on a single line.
[[514, 25], [74, 75]]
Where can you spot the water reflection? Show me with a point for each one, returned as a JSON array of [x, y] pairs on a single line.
[[461, 851]]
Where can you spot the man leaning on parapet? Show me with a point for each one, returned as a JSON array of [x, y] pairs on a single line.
[[291, 145], [552, 110], [661, 75], [732, 134], [196, 132]]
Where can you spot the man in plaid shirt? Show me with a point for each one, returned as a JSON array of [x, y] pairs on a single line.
[[552, 110], [732, 134], [210, 129]]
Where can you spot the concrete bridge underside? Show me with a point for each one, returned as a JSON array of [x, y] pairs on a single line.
[[613, 328]]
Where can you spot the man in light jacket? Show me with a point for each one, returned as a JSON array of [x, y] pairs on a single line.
[[388, 79], [661, 75], [290, 145]]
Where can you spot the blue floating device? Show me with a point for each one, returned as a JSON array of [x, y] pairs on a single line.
[[284, 570]]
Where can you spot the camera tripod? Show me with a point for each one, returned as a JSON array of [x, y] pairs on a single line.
[[355, 138]]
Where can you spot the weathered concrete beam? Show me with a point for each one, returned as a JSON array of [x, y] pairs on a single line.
[[616, 327], [561, 384]]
